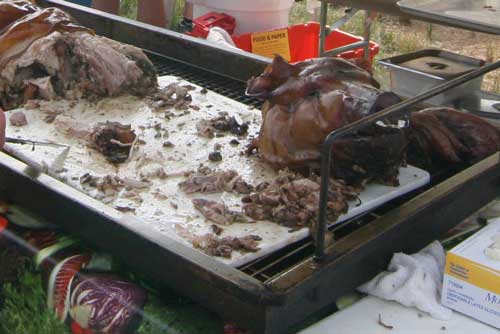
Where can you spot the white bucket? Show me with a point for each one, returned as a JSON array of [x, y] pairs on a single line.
[[250, 15]]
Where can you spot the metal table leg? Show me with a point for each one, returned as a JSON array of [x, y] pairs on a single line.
[[325, 30]]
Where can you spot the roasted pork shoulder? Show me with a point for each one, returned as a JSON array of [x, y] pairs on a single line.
[[445, 135], [47, 54]]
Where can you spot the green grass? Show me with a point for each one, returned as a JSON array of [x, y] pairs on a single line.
[[179, 10], [391, 43], [24, 310], [355, 25], [183, 318], [128, 8]]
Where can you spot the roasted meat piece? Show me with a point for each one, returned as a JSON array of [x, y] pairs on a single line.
[[18, 119], [207, 181], [46, 54], [174, 95], [220, 124], [292, 200], [308, 100], [224, 247], [11, 11], [374, 154], [280, 80], [114, 140], [450, 136], [218, 212]]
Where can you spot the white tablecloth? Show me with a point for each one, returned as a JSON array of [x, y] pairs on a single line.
[[363, 316]]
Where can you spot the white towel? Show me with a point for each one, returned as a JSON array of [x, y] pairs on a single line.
[[413, 280], [219, 36]]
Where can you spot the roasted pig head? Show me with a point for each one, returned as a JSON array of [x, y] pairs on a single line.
[[447, 135], [308, 100], [298, 77]]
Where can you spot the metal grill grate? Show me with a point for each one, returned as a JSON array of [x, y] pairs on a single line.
[[269, 267], [227, 87]]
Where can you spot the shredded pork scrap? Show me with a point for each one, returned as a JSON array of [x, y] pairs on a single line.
[[207, 181], [224, 247], [221, 124], [114, 140], [72, 128], [292, 200], [172, 96], [218, 212], [111, 185], [18, 118]]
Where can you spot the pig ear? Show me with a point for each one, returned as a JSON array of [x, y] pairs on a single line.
[[282, 68], [384, 100]]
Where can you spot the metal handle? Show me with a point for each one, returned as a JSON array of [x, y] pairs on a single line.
[[31, 142], [326, 154]]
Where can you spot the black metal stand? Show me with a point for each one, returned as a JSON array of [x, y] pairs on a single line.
[[324, 30], [400, 108]]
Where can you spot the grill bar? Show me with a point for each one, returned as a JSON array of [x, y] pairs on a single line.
[[228, 87], [273, 264]]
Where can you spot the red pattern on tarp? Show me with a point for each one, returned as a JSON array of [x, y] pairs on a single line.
[[231, 328], [3, 224], [63, 280], [41, 239], [76, 329]]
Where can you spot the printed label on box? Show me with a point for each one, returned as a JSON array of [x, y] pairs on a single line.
[[472, 276], [473, 273], [269, 44]]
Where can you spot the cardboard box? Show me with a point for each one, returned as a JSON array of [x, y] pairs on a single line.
[[472, 276]]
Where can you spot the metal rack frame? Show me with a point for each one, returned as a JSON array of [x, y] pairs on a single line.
[[399, 109], [325, 30]]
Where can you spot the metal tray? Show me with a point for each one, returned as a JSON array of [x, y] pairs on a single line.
[[416, 72], [273, 294], [480, 15], [172, 214]]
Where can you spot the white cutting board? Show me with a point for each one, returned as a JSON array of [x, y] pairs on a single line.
[[173, 215]]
